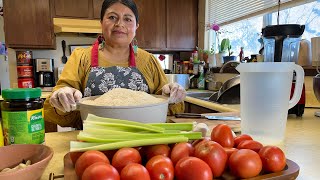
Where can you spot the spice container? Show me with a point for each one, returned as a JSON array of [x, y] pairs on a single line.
[[185, 67], [22, 116]]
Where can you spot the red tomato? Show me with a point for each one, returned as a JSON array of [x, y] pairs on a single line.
[[196, 142], [160, 168], [229, 151], [222, 134], [245, 163], [134, 171], [250, 144], [192, 168], [240, 138], [88, 158], [214, 155], [74, 156], [125, 156], [99, 171], [159, 149], [273, 158], [180, 151]]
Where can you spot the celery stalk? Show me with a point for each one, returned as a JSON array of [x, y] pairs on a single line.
[[110, 128], [94, 118], [109, 138], [140, 127], [76, 146], [105, 131], [174, 126]]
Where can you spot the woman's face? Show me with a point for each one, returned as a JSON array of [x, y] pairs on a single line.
[[119, 25]]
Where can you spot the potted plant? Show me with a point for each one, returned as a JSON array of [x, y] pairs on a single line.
[[225, 45]]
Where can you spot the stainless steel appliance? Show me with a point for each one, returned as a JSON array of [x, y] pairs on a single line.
[[44, 72]]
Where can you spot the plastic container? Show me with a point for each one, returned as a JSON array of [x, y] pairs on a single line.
[[24, 57], [25, 71], [265, 98], [22, 116], [25, 83]]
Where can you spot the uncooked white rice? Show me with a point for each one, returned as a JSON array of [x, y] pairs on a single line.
[[123, 97]]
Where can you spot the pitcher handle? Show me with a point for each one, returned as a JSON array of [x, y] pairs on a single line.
[[298, 86]]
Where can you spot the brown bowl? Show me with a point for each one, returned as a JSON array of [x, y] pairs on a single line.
[[12, 155]]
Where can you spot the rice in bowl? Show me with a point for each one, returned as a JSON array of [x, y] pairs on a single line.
[[123, 97]]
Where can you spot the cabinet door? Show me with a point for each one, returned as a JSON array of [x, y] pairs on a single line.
[[72, 8], [151, 33], [97, 8], [28, 24], [182, 23]]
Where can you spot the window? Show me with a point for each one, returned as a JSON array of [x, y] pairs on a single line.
[[167, 62], [245, 33], [307, 14]]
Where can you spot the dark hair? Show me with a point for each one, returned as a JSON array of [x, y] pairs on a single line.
[[129, 3]]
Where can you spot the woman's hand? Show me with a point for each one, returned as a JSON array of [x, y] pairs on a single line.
[[65, 99], [176, 91]]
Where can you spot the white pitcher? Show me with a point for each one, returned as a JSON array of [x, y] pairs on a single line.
[[265, 98]]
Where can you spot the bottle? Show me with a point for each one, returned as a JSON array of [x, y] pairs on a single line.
[[201, 79], [195, 56], [22, 116]]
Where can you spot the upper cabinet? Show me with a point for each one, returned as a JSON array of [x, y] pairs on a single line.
[[28, 24], [72, 8], [182, 24], [97, 8], [152, 24], [167, 24], [84, 9]]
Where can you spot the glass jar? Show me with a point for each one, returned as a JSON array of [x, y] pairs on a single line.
[[22, 116]]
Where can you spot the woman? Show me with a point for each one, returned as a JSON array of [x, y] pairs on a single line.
[[110, 63]]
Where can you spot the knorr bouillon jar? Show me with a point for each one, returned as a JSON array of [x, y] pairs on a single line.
[[22, 116]]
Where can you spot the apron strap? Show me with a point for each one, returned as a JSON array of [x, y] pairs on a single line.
[[132, 59], [95, 53]]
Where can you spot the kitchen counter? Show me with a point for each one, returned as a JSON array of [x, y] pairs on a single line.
[[301, 145]]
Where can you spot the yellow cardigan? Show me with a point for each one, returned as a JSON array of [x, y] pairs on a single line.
[[76, 72]]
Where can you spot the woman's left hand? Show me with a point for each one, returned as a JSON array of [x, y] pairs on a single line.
[[176, 91]]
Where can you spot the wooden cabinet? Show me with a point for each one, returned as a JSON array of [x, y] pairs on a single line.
[[151, 33], [97, 8], [28, 24], [72, 8], [83, 9], [182, 24], [167, 25]]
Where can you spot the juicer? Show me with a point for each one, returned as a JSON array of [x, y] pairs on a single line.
[[281, 44]]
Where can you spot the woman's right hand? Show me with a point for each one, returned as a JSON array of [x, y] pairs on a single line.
[[65, 99]]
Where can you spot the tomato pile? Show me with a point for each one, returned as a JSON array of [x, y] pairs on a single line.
[[205, 159]]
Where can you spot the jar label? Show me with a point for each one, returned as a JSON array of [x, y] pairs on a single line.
[[1, 136], [23, 127]]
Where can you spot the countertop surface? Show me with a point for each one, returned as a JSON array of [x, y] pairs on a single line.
[[301, 145]]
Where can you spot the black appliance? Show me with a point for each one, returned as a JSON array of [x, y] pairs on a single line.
[[44, 72]]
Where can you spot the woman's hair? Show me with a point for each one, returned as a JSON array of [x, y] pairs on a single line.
[[129, 3]]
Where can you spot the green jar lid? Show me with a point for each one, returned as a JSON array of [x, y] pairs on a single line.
[[21, 93]]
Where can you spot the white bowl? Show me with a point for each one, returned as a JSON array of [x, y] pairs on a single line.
[[151, 113]]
